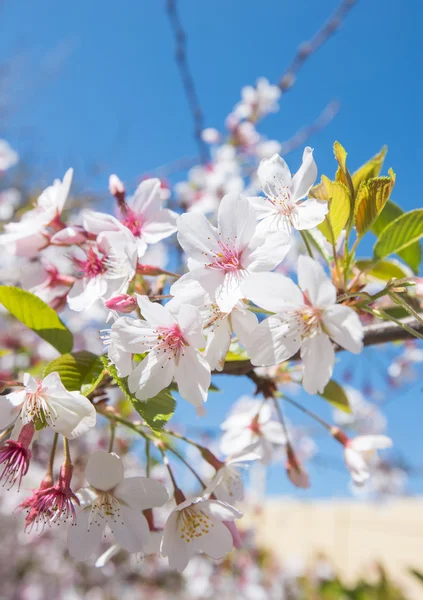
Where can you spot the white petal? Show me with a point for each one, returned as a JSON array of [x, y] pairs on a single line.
[[274, 432], [221, 510], [10, 407], [154, 313], [72, 413], [274, 173], [266, 252], [310, 213], [318, 356], [198, 238], [365, 443], [190, 322], [133, 335], [104, 470], [217, 542], [313, 280], [97, 222], [84, 539], [141, 492], [153, 374], [243, 323], [192, 374], [262, 206], [275, 340], [85, 292], [177, 550], [236, 441], [271, 291], [305, 177], [218, 342], [236, 221], [147, 198], [357, 466], [343, 325], [162, 225], [228, 292], [130, 529]]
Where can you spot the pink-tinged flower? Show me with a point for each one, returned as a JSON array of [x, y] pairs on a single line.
[[105, 269], [251, 426], [48, 403], [281, 209], [69, 236], [296, 474], [51, 503], [227, 484], [143, 215], [116, 188], [16, 456], [220, 258], [197, 525], [115, 502], [8, 157], [44, 279], [122, 303], [307, 318], [172, 343], [31, 234], [361, 453]]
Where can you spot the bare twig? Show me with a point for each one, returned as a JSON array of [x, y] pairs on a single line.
[[187, 79], [375, 334], [306, 49]]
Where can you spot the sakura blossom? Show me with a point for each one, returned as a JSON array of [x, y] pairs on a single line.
[[258, 101], [197, 525], [8, 156], [227, 484], [143, 215], [306, 319], [220, 258], [48, 403], [172, 343], [281, 209], [112, 501]]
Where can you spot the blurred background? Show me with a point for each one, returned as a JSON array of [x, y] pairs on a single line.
[[127, 88]]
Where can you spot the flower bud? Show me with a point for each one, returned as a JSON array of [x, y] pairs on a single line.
[[69, 236], [122, 303], [117, 189]]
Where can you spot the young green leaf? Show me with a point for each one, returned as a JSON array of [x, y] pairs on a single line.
[[335, 394], [371, 198], [383, 270], [79, 371], [38, 316], [399, 234], [370, 169], [339, 207]]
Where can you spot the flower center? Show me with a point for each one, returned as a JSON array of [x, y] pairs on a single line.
[[228, 259], [193, 523], [280, 198], [133, 222], [93, 265], [36, 407], [312, 319], [170, 339], [105, 508]]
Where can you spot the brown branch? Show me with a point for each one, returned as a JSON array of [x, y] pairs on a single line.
[[306, 49], [375, 334], [187, 79]]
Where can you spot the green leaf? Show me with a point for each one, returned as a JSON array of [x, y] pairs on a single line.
[[400, 234], [371, 198], [38, 316], [383, 270], [412, 255], [335, 394], [156, 411], [370, 169], [79, 371], [338, 196]]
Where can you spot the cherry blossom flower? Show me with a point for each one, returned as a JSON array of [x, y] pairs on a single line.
[[197, 525], [116, 502], [250, 425], [105, 269], [143, 215], [48, 403], [30, 234], [9, 201], [16, 455], [220, 258], [365, 417], [172, 343], [256, 102], [227, 484], [8, 157], [307, 318], [281, 209], [360, 452]]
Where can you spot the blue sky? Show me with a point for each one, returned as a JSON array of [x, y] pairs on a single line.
[[94, 85]]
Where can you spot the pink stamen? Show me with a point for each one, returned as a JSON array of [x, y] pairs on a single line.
[[170, 339], [228, 259], [94, 264], [16, 456], [133, 222]]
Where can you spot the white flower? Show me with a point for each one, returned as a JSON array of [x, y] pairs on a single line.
[[307, 318], [8, 156], [48, 402], [116, 502], [172, 344], [250, 425], [258, 101], [9, 200], [220, 258], [197, 526], [359, 453], [365, 418], [30, 234], [281, 209], [227, 484], [143, 215], [105, 269]]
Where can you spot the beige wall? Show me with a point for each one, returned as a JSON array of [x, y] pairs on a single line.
[[352, 534]]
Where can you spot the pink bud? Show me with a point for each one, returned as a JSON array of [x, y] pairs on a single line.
[[68, 236], [122, 303], [117, 189], [149, 270]]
